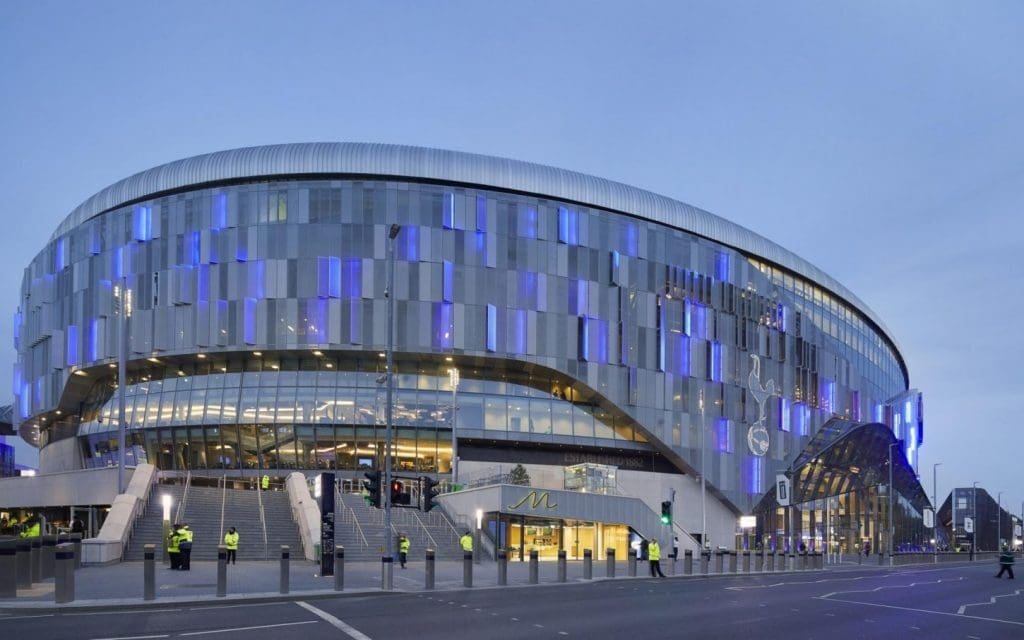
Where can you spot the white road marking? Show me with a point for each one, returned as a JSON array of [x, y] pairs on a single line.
[[563, 633], [937, 613], [991, 600], [134, 637], [352, 632], [515, 619], [261, 626], [118, 613], [539, 626], [219, 607], [43, 615]]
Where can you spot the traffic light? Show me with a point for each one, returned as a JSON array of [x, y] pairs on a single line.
[[371, 488], [398, 495], [429, 492], [666, 512]]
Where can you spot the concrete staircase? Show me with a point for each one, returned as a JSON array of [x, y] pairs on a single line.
[[202, 514], [359, 527]]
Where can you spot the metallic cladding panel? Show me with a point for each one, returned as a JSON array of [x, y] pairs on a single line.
[[451, 166]]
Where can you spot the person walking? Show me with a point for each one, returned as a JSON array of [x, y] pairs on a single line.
[[173, 550], [467, 542], [654, 557], [1005, 562], [185, 547], [231, 544], [265, 482], [403, 549]]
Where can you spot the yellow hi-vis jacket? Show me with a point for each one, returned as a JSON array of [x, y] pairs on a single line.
[[231, 541], [467, 542], [653, 550]]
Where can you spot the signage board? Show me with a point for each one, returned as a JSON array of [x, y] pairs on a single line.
[[326, 484], [782, 490]]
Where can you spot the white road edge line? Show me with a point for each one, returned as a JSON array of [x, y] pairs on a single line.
[[260, 626], [334, 622], [134, 637], [938, 613], [991, 600]]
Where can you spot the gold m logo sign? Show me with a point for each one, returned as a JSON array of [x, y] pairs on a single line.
[[535, 499]]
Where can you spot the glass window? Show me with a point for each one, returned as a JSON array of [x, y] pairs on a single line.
[[305, 448], [248, 446], [326, 453], [495, 413]]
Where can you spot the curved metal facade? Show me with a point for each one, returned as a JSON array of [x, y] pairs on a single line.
[[584, 315]]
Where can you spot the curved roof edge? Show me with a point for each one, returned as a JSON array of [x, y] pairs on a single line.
[[454, 166]]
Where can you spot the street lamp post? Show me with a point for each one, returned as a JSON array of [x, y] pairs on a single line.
[[974, 519], [999, 521], [123, 295], [935, 506], [389, 408], [703, 473], [892, 525]]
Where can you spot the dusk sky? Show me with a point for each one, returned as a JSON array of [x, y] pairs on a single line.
[[881, 140]]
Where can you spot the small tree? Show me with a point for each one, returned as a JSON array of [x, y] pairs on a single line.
[[519, 476]]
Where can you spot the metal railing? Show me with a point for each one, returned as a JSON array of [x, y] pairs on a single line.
[[424, 528], [263, 521], [179, 513], [138, 510], [223, 481]]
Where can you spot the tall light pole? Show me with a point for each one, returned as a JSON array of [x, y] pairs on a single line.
[[703, 474], [453, 379], [974, 519], [389, 408], [999, 521], [892, 524], [935, 505], [123, 296]]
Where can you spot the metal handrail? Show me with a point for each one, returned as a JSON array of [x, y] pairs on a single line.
[[180, 511], [223, 481], [425, 532], [352, 514], [263, 521]]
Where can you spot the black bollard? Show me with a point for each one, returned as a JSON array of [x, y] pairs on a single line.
[[37, 545], [561, 566], [609, 566], [688, 562], [429, 573], [222, 571], [285, 569], [24, 563], [588, 564], [502, 568], [339, 567], [149, 572], [8, 569], [467, 569], [534, 567], [76, 539], [64, 574], [47, 557], [631, 565]]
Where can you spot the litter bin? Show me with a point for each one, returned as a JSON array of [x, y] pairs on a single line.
[[316, 552]]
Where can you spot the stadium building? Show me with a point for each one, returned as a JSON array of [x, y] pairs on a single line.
[[605, 337]]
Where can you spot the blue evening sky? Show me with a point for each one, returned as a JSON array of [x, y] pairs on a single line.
[[882, 140]]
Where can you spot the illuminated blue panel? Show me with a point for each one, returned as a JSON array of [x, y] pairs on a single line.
[[316, 321], [352, 278], [783, 318], [117, 260], [827, 395], [568, 226], [18, 319], [214, 247], [698, 321], [593, 340], [16, 380], [192, 248], [908, 411], [481, 213], [723, 435], [448, 210], [784, 414], [481, 247], [447, 281], [219, 214], [257, 282], [682, 355], [203, 283], [855, 406], [755, 473], [879, 414], [631, 240], [444, 329], [911, 444], [334, 277], [526, 297], [409, 242], [802, 418], [583, 348], [687, 317], [95, 240], [249, 321], [602, 340], [72, 345], [60, 254], [241, 247], [323, 277], [492, 328], [614, 277], [142, 223], [716, 361], [722, 267], [519, 331], [92, 340], [25, 401], [526, 225], [662, 335]]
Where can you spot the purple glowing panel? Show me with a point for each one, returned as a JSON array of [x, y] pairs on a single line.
[[92, 340], [72, 345], [631, 240], [249, 321], [723, 435], [25, 400], [219, 213], [316, 321], [855, 406], [117, 259], [827, 395], [755, 475], [448, 210], [351, 278], [662, 334], [681, 353], [481, 213], [257, 280], [192, 254], [410, 244], [784, 421], [568, 226], [801, 418], [716, 361], [447, 281], [526, 226], [698, 320], [492, 328], [60, 254], [142, 223], [443, 329], [722, 267]]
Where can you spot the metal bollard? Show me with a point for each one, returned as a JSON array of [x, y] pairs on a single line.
[[588, 564], [429, 571], [76, 539], [561, 565], [746, 562], [24, 563], [732, 561], [803, 561], [769, 562], [672, 567], [688, 562], [631, 564], [780, 561], [705, 560], [860, 558], [285, 569], [758, 562], [534, 566], [502, 568], [609, 565], [387, 572], [37, 544], [8, 569], [149, 572], [64, 574], [719, 562], [881, 559], [222, 571], [339, 567], [819, 561], [467, 569], [47, 557]]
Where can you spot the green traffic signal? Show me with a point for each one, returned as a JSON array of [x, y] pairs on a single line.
[[666, 512]]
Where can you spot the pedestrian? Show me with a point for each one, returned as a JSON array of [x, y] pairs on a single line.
[[265, 482], [467, 542], [173, 550], [185, 547], [231, 544], [654, 556], [403, 549], [77, 526], [1005, 562], [867, 547]]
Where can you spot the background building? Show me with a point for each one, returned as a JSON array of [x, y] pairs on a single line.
[[589, 321]]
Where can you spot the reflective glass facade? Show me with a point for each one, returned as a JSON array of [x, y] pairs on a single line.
[[258, 323]]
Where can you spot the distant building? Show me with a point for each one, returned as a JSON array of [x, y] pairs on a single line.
[[589, 321], [7, 466]]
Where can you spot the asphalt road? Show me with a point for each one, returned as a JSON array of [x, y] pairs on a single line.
[[929, 602]]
